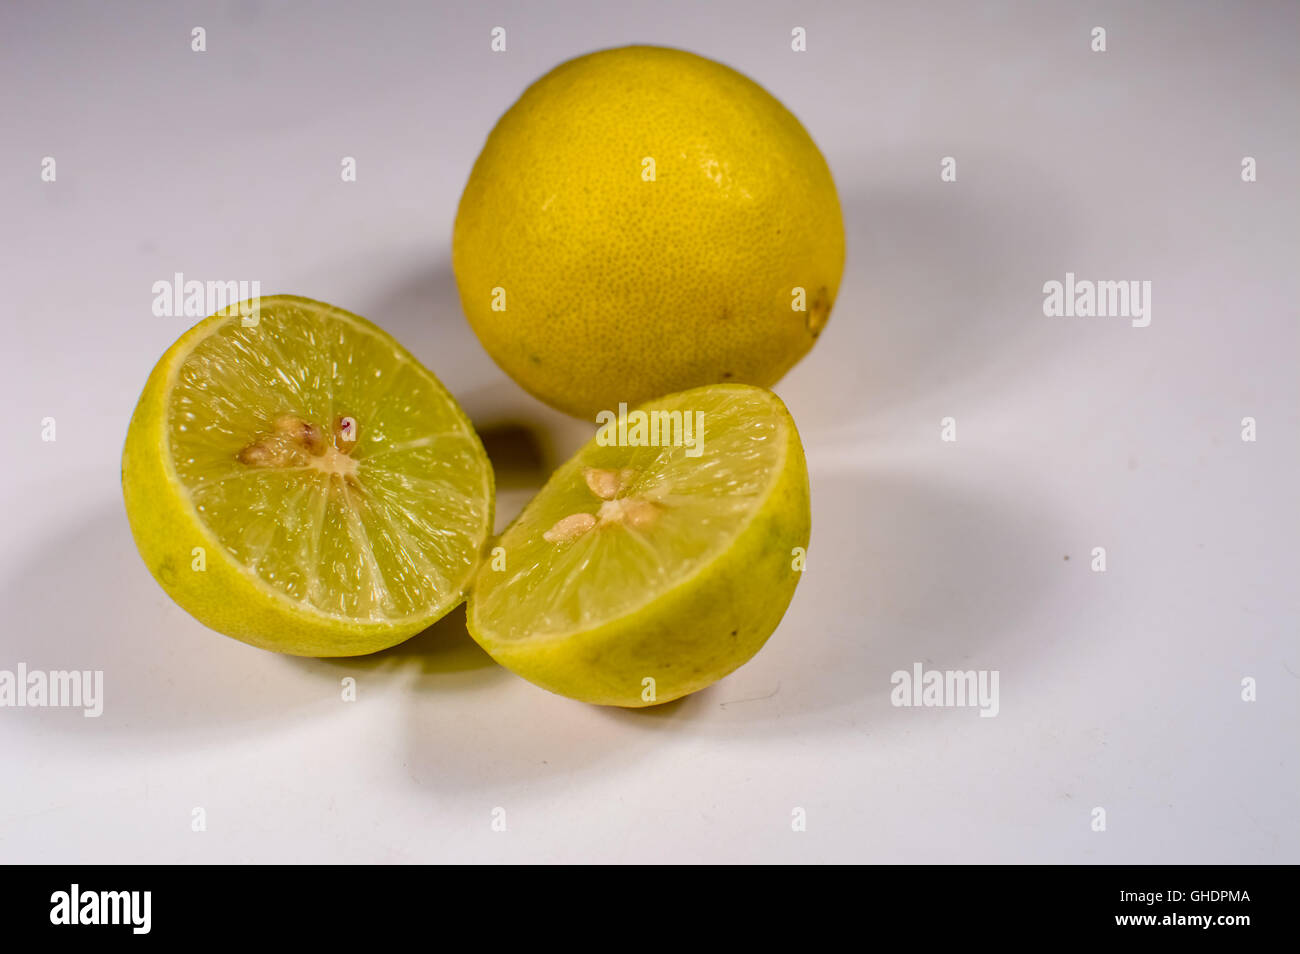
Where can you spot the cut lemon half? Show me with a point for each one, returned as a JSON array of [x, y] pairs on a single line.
[[659, 558], [294, 478]]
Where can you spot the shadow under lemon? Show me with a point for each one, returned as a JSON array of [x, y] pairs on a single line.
[[84, 600], [903, 566]]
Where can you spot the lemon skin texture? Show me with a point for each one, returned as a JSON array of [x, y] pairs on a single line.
[[616, 288], [226, 596], [692, 635]]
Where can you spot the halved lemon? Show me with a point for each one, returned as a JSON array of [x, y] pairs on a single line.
[[294, 478], [659, 558]]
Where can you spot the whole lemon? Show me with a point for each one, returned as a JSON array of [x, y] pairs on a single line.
[[642, 221]]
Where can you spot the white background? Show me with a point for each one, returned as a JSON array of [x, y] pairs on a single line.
[[1119, 690]]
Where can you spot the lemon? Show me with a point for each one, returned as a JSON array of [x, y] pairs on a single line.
[[644, 220], [295, 479], [659, 558]]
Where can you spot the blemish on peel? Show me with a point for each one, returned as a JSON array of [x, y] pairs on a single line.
[[819, 312]]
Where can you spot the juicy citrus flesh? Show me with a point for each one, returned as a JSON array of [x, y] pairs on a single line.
[[639, 562], [327, 467], [644, 221]]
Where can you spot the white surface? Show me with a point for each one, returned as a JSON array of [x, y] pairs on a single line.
[[1118, 689]]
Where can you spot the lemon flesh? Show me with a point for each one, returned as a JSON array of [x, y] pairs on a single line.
[[642, 573], [297, 480], [642, 221]]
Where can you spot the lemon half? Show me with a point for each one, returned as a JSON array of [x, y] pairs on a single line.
[[642, 572], [294, 478]]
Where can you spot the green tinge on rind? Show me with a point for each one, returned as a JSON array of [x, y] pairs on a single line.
[[694, 633], [219, 595]]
